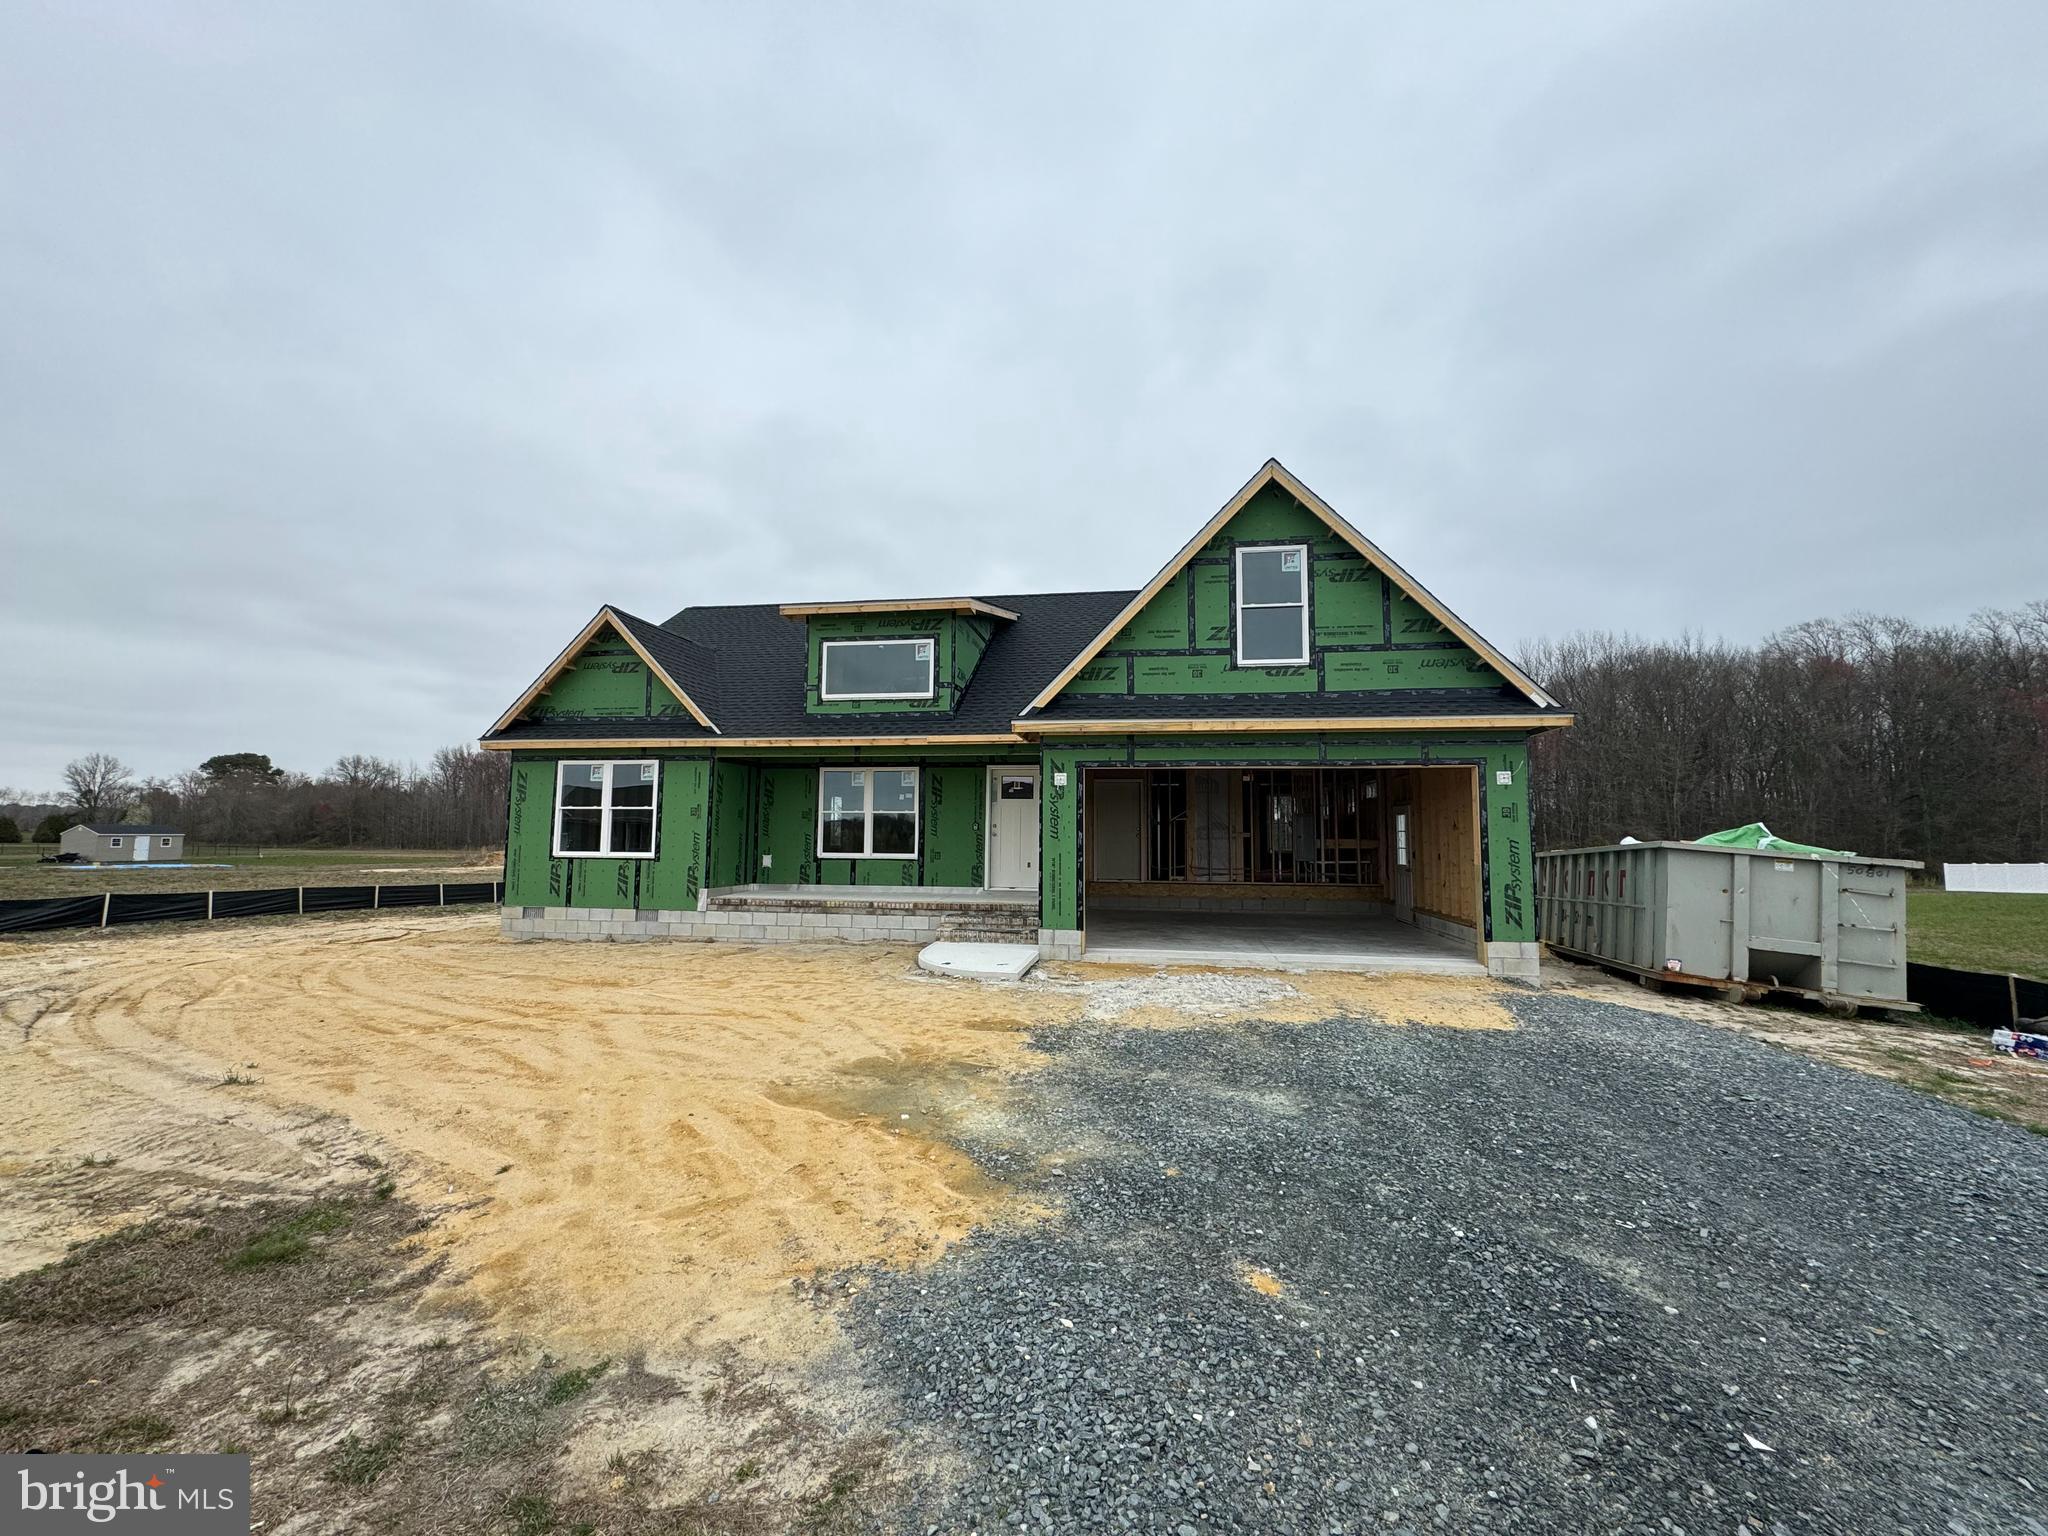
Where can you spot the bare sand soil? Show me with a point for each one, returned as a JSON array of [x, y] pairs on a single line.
[[577, 1216], [511, 1163], [626, 1148]]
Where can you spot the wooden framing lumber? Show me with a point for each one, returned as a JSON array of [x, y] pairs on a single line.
[[909, 605], [1270, 726], [1028, 731], [727, 743]]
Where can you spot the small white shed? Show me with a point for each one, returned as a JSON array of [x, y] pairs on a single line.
[[124, 843]]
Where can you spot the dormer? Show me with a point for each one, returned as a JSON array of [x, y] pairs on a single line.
[[901, 656]]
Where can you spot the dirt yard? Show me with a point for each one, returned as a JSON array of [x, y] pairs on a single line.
[[535, 1159], [390, 1201], [632, 1146]]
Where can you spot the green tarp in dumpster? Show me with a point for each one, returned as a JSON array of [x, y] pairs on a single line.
[[1757, 835]]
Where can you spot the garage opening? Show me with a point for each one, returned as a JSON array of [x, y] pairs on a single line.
[[1343, 868]]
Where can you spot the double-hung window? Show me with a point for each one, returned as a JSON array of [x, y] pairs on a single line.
[[605, 809], [877, 669], [1272, 605], [867, 813]]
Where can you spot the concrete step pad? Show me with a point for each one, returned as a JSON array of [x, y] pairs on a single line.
[[978, 962]]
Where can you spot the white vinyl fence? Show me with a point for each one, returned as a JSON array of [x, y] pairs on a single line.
[[2028, 878]]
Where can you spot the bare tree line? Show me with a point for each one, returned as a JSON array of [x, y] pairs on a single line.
[[1874, 734], [456, 801]]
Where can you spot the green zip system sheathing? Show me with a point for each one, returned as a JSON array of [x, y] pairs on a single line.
[[606, 681], [534, 877], [959, 639], [745, 821], [1366, 634]]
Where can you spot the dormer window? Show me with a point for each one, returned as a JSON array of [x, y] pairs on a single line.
[[878, 669]]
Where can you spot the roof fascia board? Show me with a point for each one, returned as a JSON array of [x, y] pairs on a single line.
[[1271, 472], [924, 605], [1266, 725], [1151, 588], [991, 739], [604, 615], [1335, 522]]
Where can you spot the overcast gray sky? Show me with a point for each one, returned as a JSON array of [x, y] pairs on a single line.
[[352, 355]]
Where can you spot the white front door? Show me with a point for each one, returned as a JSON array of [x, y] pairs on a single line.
[[141, 848], [1013, 829]]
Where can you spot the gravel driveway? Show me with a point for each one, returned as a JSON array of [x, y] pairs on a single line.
[[1610, 1271]]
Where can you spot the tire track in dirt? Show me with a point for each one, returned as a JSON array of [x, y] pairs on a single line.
[[631, 1146]]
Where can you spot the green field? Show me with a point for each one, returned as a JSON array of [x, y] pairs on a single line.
[[1978, 931], [22, 877]]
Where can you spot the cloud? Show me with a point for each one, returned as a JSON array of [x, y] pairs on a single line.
[[349, 361]]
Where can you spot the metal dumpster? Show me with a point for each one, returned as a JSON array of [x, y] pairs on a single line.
[[1828, 927]]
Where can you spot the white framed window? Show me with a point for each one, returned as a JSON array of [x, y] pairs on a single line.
[[1272, 605], [1401, 839], [605, 809], [113, 842], [163, 842], [867, 813], [878, 669]]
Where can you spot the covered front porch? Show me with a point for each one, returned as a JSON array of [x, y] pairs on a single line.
[[904, 914]]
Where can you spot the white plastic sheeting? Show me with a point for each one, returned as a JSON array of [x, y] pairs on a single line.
[[2031, 879]]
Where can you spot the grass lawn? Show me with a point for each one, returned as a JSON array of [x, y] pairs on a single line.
[[1978, 931], [22, 877]]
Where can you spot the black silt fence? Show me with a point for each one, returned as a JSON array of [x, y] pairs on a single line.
[[35, 916], [120, 908], [255, 903], [338, 898], [1988, 998], [155, 907]]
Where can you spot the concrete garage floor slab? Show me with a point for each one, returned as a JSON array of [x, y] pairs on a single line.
[[1265, 940]]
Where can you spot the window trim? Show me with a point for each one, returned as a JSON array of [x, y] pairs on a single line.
[[604, 809], [163, 842], [867, 825], [931, 687], [113, 841], [1239, 605]]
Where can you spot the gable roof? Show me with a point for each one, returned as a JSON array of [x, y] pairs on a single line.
[[141, 828], [745, 666], [654, 645], [1273, 472], [752, 661]]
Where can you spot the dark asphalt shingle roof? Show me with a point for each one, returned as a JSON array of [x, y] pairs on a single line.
[[152, 828], [691, 664], [755, 659], [744, 666]]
